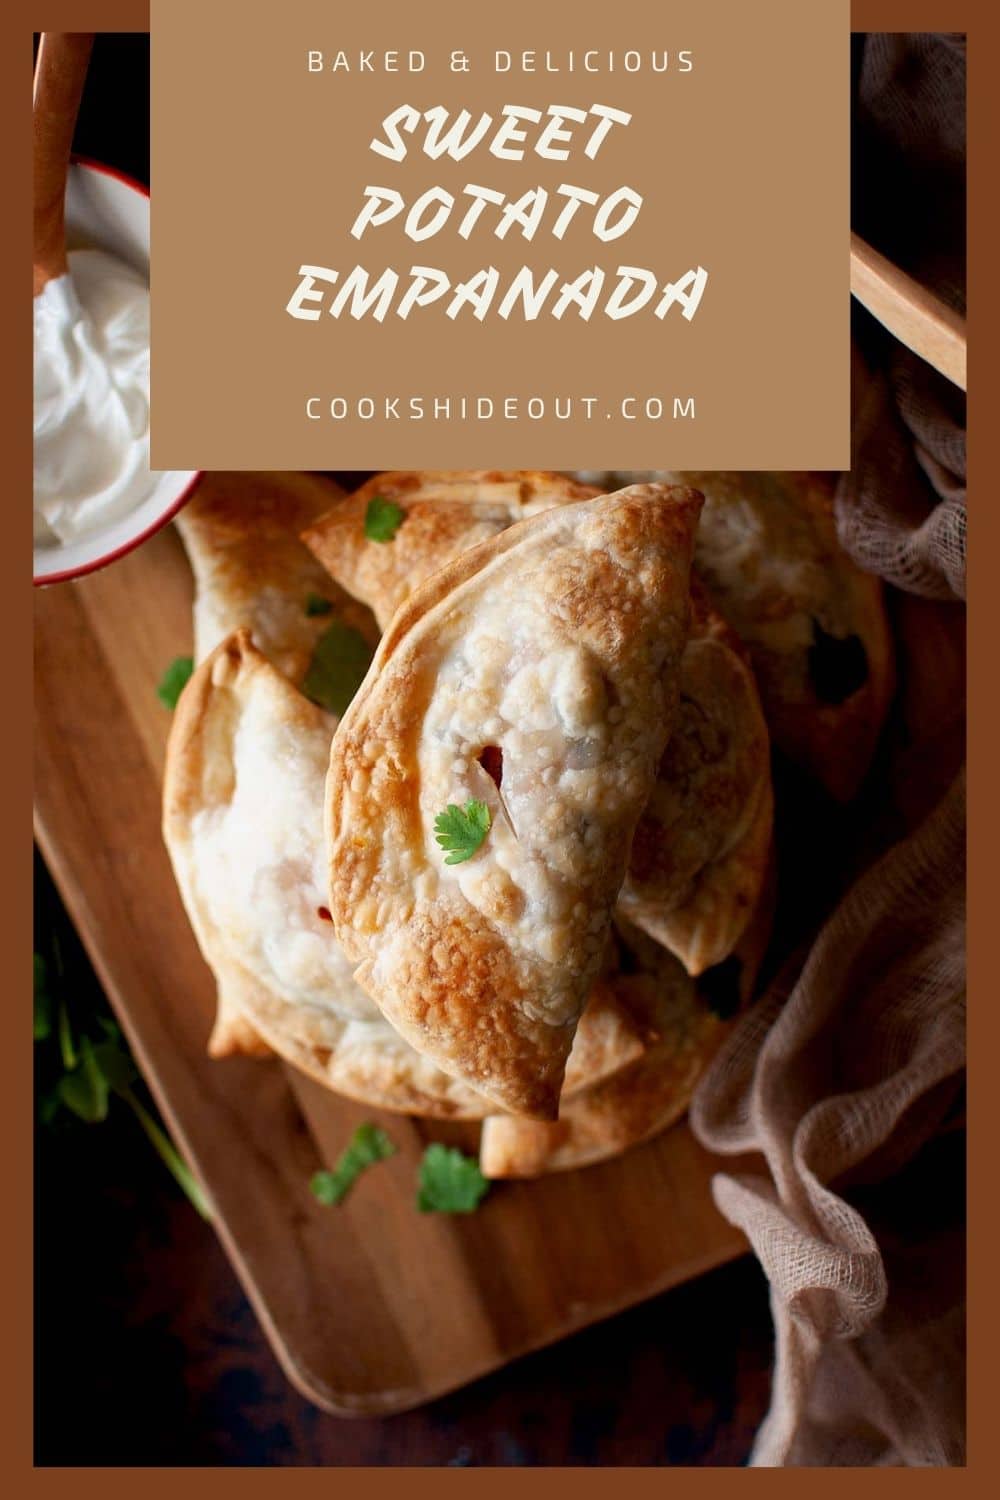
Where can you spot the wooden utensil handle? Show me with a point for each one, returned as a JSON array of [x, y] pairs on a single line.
[[918, 319], [60, 70]]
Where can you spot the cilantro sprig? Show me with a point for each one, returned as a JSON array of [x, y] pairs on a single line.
[[450, 1182], [367, 1146], [174, 680], [85, 1069], [43, 1001], [383, 519], [461, 830], [340, 659]]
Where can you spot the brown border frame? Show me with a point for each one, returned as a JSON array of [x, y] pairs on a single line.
[[980, 21]]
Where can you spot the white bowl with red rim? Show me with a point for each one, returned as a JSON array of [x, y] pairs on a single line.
[[108, 211]]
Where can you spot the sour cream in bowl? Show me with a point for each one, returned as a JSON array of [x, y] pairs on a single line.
[[95, 496]]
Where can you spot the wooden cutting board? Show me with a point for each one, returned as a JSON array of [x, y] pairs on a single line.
[[371, 1307]]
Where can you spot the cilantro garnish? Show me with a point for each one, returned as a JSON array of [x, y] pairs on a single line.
[[317, 605], [450, 1182], [461, 830], [383, 519], [340, 659], [83, 1072], [86, 1090], [171, 684], [43, 1002], [169, 1155], [367, 1146]]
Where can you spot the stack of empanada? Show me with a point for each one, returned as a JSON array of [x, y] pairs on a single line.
[[525, 877]]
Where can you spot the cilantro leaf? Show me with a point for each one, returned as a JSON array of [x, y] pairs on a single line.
[[367, 1146], [94, 1070], [316, 605], [172, 683], [461, 830], [169, 1155], [85, 1090], [383, 519], [48, 1106], [450, 1182], [115, 1066], [43, 1002], [340, 659], [64, 1031]]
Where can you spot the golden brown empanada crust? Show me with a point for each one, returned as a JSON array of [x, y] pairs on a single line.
[[446, 512], [352, 1050], [605, 582], [815, 623], [702, 846], [232, 1034], [650, 1091], [376, 1067], [241, 534]]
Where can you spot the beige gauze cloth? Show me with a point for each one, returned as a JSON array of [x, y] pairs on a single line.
[[845, 1073]]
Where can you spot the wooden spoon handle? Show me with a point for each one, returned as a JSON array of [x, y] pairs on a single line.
[[918, 319], [60, 70]]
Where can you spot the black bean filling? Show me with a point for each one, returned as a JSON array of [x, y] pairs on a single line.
[[838, 665]]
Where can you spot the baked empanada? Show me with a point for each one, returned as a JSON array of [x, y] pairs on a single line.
[[702, 845], [241, 535], [444, 512], [815, 624], [243, 800], [682, 1020], [701, 849], [251, 570], [530, 685]]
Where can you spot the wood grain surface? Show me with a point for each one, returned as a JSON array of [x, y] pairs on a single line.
[[372, 1307], [912, 314]]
